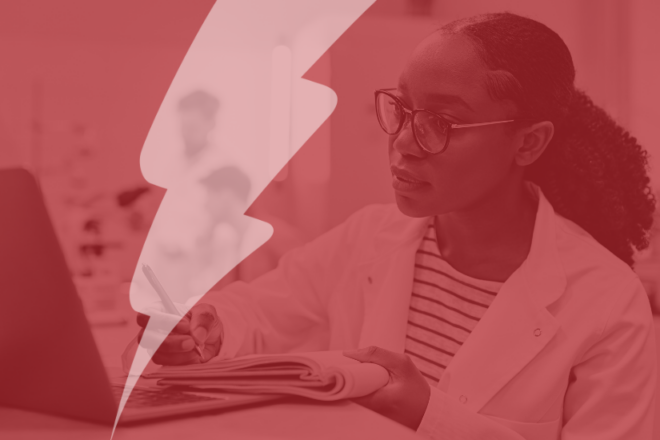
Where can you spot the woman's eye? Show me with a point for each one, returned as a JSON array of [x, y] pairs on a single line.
[[396, 109], [438, 123]]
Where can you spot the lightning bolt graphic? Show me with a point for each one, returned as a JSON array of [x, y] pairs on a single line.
[[251, 53]]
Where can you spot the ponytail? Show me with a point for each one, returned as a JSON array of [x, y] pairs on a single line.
[[595, 174], [592, 172]]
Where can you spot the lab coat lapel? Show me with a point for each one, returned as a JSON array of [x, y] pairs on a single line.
[[516, 327], [388, 291], [511, 333]]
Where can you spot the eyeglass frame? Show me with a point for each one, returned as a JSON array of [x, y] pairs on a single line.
[[412, 113]]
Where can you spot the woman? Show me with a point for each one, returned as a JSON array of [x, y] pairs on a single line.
[[498, 292]]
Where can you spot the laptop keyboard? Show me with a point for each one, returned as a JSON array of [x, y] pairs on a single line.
[[142, 398]]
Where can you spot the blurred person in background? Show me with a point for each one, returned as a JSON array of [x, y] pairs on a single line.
[[227, 236], [198, 112], [182, 214], [221, 240]]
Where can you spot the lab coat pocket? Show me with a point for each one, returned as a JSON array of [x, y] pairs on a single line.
[[532, 431]]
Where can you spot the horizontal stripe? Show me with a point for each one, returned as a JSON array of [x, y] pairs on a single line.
[[476, 303], [417, 295], [424, 358], [435, 318], [421, 266], [429, 376], [431, 346], [423, 252], [421, 327], [440, 319]]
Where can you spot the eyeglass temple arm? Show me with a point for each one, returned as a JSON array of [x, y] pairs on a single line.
[[481, 124]]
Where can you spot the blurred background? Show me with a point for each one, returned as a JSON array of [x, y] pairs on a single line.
[[82, 137]]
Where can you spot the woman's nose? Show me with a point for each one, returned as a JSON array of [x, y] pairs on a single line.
[[404, 142]]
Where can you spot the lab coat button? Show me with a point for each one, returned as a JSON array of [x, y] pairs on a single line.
[[537, 332], [462, 399]]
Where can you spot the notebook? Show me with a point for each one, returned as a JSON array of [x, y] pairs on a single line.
[[325, 376]]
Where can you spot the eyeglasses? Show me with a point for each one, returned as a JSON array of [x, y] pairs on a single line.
[[431, 131]]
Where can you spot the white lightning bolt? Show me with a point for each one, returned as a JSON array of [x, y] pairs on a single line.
[[244, 51]]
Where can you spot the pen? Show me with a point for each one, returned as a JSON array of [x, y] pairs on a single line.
[[165, 299]]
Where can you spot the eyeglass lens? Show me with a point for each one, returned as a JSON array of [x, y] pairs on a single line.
[[430, 131], [389, 112]]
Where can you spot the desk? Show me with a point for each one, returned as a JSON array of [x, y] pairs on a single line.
[[295, 419], [343, 420]]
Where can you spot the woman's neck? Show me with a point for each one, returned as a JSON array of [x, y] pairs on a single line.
[[492, 238]]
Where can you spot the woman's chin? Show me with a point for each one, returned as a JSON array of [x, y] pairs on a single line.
[[412, 207]]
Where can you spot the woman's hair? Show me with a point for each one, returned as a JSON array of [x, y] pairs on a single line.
[[593, 172]]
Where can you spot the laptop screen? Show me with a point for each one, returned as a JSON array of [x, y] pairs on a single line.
[[50, 361]]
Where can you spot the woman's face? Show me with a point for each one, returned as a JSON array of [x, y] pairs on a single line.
[[446, 76]]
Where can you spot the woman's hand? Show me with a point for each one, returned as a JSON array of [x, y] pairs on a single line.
[[405, 398], [200, 327]]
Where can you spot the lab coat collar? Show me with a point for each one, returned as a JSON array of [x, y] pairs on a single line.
[[542, 268], [514, 329]]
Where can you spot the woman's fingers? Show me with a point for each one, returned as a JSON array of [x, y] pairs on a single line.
[[173, 343], [139, 336], [183, 326], [200, 327], [142, 320], [190, 357], [177, 344], [202, 321], [393, 362]]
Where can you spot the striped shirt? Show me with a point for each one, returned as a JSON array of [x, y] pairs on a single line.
[[445, 306]]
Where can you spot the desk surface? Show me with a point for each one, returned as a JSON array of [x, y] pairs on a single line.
[[295, 419], [342, 420]]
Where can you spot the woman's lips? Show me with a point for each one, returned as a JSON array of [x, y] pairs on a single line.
[[403, 180]]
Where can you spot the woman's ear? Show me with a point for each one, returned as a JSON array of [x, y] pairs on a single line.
[[536, 138]]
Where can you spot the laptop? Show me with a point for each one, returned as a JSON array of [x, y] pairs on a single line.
[[50, 362]]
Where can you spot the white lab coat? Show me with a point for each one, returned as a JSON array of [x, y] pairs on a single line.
[[566, 350]]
